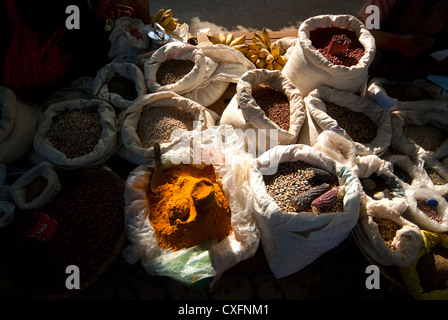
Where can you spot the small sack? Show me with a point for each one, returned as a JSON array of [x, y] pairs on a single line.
[[232, 168], [18, 125], [385, 236], [308, 69], [101, 88], [132, 148], [436, 174], [320, 120], [103, 150], [292, 240], [244, 113], [49, 189]]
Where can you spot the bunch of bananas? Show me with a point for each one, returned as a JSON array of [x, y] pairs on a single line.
[[165, 19], [264, 54], [229, 39]]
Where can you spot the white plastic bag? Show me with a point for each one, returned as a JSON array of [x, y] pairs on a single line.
[[18, 188], [132, 148], [105, 148], [244, 113], [308, 69], [221, 147], [129, 71], [319, 120], [291, 241], [129, 36], [337, 147]]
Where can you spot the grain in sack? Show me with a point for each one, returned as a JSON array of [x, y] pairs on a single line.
[[308, 68], [77, 133], [293, 239], [358, 119]]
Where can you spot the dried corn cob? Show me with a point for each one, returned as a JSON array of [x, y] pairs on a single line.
[[303, 200], [319, 176], [325, 202]]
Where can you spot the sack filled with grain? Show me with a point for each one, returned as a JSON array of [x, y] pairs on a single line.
[[18, 125], [200, 73], [426, 277], [268, 107], [119, 84], [420, 129], [202, 239], [379, 183], [365, 123], [159, 117], [385, 236], [36, 187], [313, 63], [77, 133], [306, 204], [436, 173]]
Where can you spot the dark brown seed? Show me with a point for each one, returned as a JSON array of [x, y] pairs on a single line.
[[275, 105]]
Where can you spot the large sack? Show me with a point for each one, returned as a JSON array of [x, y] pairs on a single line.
[[320, 120], [103, 150], [308, 69], [374, 236], [244, 113], [132, 148], [221, 147], [291, 240], [18, 125], [129, 71]]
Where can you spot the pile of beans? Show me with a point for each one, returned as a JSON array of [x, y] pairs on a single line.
[[321, 39], [429, 211], [432, 269], [156, 124], [123, 86], [435, 177], [274, 104], [357, 125], [35, 188], [426, 136], [291, 179], [89, 212], [388, 230], [76, 132], [171, 71]]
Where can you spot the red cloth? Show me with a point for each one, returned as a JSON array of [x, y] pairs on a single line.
[[34, 59]]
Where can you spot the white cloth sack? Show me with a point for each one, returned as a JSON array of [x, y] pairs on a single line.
[[365, 166], [201, 261], [406, 242], [308, 69], [319, 120], [18, 188], [291, 241], [422, 220], [100, 89], [244, 113], [18, 125], [132, 148], [104, 149]]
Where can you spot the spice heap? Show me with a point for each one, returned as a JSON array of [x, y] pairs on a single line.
[[321, 38], [429, 210], [375, 187], [295, 179], [89, 213], [35, 188], [402, 174], [274, 104], [123, 86], [76, 132], [156, 124], [435, 177], [426, 136], [432, 269], [357, 125], [388, 230], [173, 70], [179, 217]]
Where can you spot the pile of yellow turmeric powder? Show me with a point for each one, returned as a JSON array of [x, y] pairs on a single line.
[[190, 209]]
